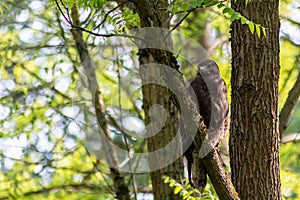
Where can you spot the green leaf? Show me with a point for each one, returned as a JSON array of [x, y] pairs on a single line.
[[243, 20], [170, 9], [221, 5], [264, 31], [206, 2], [228, 10], [251, 27], [194, 3], [257, 27], [69, 3], [183, 193], [166, 179], [184, 7], [177, 189], [234, 16], [175, 8], [3, 5], [172, 183]]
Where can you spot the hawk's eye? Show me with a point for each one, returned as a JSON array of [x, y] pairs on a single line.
[[203, 69]]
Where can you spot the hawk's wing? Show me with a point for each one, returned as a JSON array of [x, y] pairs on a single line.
[[211, 93]]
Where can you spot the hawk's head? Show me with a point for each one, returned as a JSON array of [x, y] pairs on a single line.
[[208, 68]]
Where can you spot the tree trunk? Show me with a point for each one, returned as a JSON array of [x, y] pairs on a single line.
[[154, 94], [120, 186], [254, 139]]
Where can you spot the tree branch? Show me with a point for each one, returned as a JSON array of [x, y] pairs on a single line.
[[212, 161], [294, 22], [188, 12], [121, 188], [71, 188], [289, 106], [75, 26], [291, 138], [181, 20], [106, 15], [220, 180]]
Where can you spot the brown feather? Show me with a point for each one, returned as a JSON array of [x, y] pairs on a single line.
[[210, 90]]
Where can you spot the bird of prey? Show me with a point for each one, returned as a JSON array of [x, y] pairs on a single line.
[[210, 90]]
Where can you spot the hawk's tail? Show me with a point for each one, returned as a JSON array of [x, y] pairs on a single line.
[[199, 174]]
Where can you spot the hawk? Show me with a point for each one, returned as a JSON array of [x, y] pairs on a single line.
[[210, 90]]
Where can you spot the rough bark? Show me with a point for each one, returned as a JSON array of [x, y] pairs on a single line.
[[121, 189], [212, 161], [151, 16], [156, 95], [219, 177], [254, 139]]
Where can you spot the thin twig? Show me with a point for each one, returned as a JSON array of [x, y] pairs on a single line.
[[67, 10], [188, 12], [289, 106], [290, 138], [178, 24], [63, 14], [93, 33], [124, 135], [106, 15], [182, 19]]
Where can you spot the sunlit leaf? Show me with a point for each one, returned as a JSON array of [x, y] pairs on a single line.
[[251, 27], [228, 10], [243, 20], [166, 179], [257, 28], [264, 31], [172, 182], [177, 189], [235, 16]]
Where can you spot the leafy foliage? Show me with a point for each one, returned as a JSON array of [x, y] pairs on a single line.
[[186, 192], [237, 16], [290, 171], [47, 127], [233, 15]]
